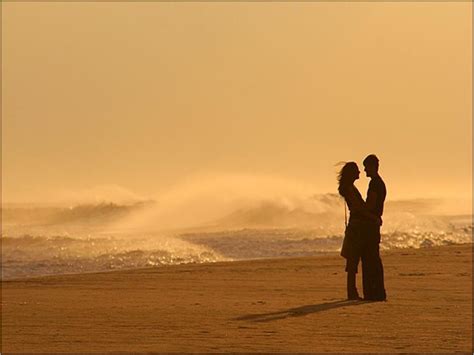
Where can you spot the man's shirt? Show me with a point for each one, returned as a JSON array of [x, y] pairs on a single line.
[[377, 186]]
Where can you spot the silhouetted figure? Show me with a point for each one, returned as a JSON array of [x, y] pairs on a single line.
[[372, 267], [355, 237]]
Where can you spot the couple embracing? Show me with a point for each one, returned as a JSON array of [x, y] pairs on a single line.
[[362, 235]]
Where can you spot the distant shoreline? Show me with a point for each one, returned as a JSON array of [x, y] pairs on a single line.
[[315, 255]]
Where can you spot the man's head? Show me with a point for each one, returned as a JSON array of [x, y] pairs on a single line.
[[371, 165]]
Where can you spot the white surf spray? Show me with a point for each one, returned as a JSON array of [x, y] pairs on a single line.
[[206, 219], [203, 200]]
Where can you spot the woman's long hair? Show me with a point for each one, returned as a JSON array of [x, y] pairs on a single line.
[[346, 176]]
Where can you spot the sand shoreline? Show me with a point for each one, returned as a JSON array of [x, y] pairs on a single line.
[[265, 305]]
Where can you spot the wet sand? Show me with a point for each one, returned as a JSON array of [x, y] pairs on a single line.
[[282, 305]]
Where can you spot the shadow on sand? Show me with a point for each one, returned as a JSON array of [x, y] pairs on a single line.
[[299, 311]]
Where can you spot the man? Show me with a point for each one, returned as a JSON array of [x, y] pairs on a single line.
[[373, 279]]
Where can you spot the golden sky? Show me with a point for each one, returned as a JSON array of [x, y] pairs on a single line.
[[143, 96]]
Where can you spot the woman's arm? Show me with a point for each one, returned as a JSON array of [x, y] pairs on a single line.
[[358, 205]]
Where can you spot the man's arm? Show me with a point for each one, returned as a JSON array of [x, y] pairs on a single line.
[[370, 203], [371, 200], [361, 207]]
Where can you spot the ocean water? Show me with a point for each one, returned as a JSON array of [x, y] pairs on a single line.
[[92, 238]]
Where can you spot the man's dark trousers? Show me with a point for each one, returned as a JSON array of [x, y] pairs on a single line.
[[372, 267]]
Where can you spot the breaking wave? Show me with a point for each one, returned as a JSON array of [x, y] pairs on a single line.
[[87, 238], [38, 255], [251, 244]]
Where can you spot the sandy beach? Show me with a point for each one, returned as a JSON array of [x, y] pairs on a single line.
[[278, 305]]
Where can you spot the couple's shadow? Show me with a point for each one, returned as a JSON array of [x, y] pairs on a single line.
[[299, 311]]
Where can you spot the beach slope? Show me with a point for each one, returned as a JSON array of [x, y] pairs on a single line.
[[279, 305]]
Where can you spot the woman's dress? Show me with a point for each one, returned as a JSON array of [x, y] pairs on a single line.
[[354, 236]]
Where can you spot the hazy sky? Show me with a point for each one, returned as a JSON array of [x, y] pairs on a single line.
[[142, 96]]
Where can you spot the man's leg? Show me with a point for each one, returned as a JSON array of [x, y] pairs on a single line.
[[379, 291], [372, 268], [375, 282], [368, 274]]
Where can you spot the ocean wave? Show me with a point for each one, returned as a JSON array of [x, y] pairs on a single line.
[[39, 255], [45, 255], [100, 213], [55, 240], [275, 243]]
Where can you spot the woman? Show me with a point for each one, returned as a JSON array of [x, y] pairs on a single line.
[[355, 237]]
